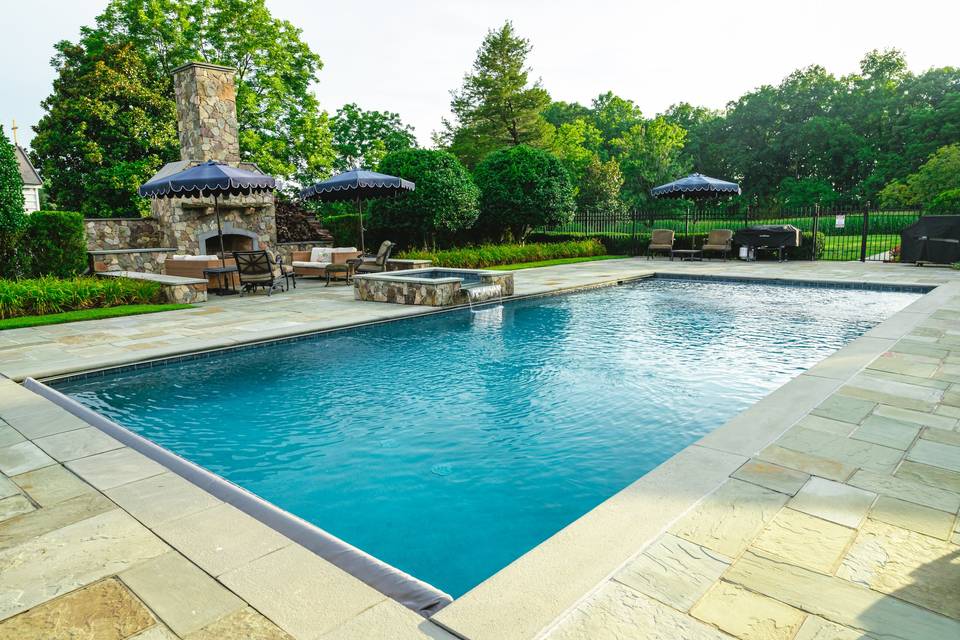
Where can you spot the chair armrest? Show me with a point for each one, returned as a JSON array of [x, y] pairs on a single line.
[[301, 256]]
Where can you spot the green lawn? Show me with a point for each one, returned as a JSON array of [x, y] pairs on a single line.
[[88, 314], [550, 263], [848, 247]]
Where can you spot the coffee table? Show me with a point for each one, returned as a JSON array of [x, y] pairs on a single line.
[[688, 254]]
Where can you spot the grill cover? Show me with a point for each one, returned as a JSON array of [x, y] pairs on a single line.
[[768, 235], [931, 239]]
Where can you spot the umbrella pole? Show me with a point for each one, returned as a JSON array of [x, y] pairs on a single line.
[[216, 210], [363, 248]]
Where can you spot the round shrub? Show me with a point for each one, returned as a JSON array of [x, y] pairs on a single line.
[[56, 243], [522, 188], [444, 201]]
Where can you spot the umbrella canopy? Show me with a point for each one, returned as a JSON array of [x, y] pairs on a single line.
[[357, 185], [211, 178], [696, 185], [208, 179]]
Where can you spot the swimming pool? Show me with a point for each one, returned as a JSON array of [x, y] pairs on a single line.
[[449, 445]]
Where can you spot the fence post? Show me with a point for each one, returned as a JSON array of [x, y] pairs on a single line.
[[863, 235], [816, 229], [633, 232]]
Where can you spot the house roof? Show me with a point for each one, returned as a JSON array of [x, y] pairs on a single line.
[[27, 171]]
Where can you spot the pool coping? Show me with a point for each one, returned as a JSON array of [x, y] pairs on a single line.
[[704, 462]]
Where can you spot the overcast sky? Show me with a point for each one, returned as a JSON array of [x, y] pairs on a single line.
[[406, 56]]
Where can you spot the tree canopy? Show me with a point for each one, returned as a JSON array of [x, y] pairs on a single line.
[[819, 138], [126, 126], [109, 126], [362, 138], [497, 105]]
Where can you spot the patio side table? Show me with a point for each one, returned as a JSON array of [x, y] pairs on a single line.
[[334, 270], [224, 280]]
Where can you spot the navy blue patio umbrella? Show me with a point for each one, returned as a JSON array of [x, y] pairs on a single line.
[[357, 185], [211, 178], [696, 186]]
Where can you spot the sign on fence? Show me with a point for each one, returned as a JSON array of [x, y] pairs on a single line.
[[841, 221]]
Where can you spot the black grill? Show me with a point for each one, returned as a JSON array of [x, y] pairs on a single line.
[[774, 237]]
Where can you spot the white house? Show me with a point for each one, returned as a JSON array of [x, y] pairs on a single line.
[[31, 180]]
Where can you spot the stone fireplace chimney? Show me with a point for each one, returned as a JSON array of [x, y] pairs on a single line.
[[206, 112], [207, 125]]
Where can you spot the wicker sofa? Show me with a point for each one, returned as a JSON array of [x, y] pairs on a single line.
[[313, 262], [193, 266]]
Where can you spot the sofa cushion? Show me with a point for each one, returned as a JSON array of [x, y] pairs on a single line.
[[310, 265]]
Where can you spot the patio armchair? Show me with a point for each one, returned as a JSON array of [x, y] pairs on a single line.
[[661, 240], [377, 263], [719, 241], [261, 269]]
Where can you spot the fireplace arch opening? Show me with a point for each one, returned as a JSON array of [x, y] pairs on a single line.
[[234, 239]]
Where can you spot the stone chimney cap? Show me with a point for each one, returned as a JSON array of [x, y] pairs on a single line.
[[204, 65]]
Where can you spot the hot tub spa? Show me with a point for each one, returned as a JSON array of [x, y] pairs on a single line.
[[435, 286]]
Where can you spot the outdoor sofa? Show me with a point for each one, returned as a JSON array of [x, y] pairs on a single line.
[[187, 266], [315, 261]]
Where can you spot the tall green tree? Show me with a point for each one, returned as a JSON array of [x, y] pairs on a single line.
[[12, 218], [498, 105], [109, 126], [362, 138], [282, 127]]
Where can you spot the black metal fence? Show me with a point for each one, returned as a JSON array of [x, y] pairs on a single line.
[[843, 233]]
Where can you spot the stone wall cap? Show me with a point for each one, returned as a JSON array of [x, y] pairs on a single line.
[[204, 65]]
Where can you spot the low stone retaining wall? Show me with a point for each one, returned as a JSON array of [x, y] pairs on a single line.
[[176, 290], [149, 260]]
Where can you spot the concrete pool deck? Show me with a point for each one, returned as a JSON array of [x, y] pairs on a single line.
[[827, 510]]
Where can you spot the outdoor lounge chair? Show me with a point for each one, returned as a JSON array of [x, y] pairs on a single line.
[[377, 263], [661, 240], [719, 241], [262, 269]]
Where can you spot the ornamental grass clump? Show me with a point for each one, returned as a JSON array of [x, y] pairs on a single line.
[[43, 296]]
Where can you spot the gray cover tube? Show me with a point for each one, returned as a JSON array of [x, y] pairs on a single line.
[[390, 581]]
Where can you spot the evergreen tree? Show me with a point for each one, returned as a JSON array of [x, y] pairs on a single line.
[[12, 217], [497, 106]]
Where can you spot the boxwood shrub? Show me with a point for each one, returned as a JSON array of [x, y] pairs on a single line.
[[55, 243], [489, 255], [42, 296]]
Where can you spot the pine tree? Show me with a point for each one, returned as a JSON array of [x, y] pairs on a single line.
[[497, 106]]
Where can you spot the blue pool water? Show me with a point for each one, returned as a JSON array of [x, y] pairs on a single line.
[[449, 445]]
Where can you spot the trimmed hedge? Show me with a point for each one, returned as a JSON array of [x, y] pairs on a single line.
[[42, 296], [56, 244], [625, 244], [489, 255], [344, 228]]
